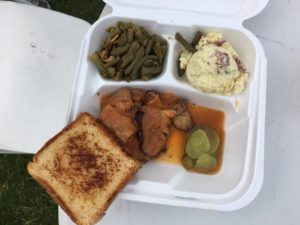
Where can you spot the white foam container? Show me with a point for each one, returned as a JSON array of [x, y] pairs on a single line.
[[241, 175]]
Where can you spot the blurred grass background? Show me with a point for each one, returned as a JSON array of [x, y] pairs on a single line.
[[88, 10], [22, 200]]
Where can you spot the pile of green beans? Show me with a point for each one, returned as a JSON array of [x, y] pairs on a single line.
[[129, 53]]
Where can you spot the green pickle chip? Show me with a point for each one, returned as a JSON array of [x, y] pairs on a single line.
[[205, 161], [187, 162], [197, 144], [213, 137]]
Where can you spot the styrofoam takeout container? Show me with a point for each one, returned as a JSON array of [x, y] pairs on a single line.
[[241, 175]]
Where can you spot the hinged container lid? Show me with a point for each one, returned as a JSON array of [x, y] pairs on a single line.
[[38, 58], [231, 9]]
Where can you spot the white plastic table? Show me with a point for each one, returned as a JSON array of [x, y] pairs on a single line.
[[278, 203]]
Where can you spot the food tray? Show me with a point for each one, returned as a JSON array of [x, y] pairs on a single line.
[[240, 177]]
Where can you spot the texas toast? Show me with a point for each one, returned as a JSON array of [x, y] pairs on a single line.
[[83, 168]]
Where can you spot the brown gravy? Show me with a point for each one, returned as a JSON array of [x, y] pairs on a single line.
[[176, 142]]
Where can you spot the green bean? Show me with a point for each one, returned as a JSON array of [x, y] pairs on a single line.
[[138, 34], [130, 35], [152, 57], [119, 75], [115, 31], [122, 40], [129, 56], [145, 42], [163, 51], [149, 45], [126, 60], [151, 62], [159, 39], [127, 78], [130, 25], [146, 77], [140, 52], [133, 47], [130, 67], [112, 62], [184, 43], [110, 29], [137, 66], [120, 50], [196, 38], [122, 25], [154, 70], [100, 65], [111, 71], [145, 32], [158, 51]]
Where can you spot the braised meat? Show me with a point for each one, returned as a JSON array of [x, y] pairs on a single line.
[[123, 126], [168, 100], [183, 121], [155, 126], [152, 99], [121, 100], [137, 95], [142, 119], [133, 147], [179, 107]]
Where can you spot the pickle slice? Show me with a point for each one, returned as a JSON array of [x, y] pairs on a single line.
[[213, 137], [187, 162], [197, 144], [205, 161]]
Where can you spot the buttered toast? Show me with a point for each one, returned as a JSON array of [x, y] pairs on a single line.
[[83, 168]]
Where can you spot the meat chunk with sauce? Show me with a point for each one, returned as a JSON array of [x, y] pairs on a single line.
[[137, 96], [133, 147], [182, 120], [123, 126], [168, 100], [155, 127], [142, 119], [121, 100], [152, 99]]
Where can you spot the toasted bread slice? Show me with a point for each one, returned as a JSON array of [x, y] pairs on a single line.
[[83, 168]]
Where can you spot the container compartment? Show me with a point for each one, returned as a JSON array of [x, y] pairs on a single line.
[[234, 152], [237, 39]]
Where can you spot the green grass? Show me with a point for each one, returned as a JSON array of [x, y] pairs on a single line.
[[88, 10], [22, 200]]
